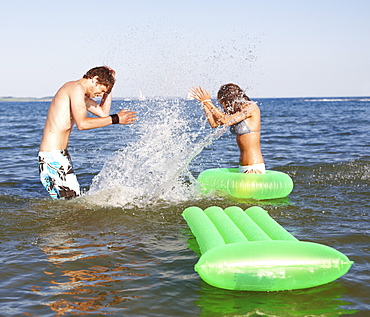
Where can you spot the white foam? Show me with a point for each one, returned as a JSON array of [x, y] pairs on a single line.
[[155, 167]]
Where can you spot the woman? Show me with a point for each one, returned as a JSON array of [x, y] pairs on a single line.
[[243, 117]]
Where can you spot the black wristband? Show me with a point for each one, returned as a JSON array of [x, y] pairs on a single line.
[[115, 118]]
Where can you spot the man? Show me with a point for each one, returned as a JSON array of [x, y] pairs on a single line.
[[68, 107]]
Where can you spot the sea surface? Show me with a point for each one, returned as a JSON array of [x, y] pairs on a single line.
[[123, 248]]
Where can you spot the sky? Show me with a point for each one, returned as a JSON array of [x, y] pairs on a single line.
[[271, 48]]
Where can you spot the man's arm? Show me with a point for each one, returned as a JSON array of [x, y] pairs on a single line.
[[79, 110], [102, 109]]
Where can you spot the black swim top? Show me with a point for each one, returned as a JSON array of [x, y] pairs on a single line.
[[241, 128]]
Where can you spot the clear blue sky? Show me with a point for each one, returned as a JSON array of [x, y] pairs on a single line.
[[276, 48]]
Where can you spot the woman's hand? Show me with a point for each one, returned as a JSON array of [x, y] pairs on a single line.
[[199, 94]]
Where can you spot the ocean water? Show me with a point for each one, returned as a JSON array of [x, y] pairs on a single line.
[[123, 248]]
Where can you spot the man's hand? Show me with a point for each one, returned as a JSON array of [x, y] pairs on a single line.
[[126, 116]]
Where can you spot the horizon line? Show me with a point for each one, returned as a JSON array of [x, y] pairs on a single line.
[[49, 98]]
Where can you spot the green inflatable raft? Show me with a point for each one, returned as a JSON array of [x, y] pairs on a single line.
[[250, 251]]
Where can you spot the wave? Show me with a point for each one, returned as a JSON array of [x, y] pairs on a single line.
[[351, 174]]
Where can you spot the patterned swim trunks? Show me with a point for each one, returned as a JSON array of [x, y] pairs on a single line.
[[57, 175]]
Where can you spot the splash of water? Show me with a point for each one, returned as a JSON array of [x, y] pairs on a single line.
[[155, 167]]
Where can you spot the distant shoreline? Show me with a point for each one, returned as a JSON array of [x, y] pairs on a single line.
[[24, 99], [46, 99]]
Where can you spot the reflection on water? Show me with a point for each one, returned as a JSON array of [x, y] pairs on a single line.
[[319, 301], [79, 282], [91, 289]]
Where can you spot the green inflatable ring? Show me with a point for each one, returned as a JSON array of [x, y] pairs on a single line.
[[271, 185]]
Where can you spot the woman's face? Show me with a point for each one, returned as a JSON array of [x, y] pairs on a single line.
[[227, 106]]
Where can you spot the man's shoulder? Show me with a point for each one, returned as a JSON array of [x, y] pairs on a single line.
[[71, 87]]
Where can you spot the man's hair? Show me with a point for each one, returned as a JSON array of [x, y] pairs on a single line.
[[104, 74], [231, 96]]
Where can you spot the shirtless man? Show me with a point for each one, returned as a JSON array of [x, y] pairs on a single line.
[[243, 117], [68, 107]]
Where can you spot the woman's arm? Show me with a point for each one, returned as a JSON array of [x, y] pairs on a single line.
[[212, 119], [245, 112], [215, 116]]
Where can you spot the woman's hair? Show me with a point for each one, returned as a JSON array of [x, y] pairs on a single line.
[[232, 97], [104, 74]]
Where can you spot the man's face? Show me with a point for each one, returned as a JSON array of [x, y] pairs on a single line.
[[99, 90], [96, 89]]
